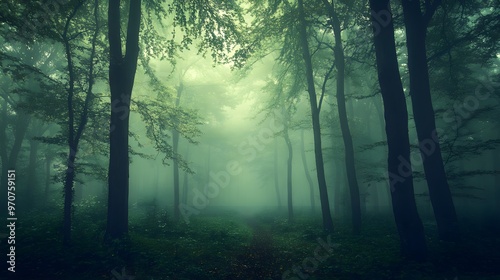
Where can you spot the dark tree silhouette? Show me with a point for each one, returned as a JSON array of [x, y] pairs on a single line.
[[344, 124], [410, 228], [121, 81], [423, 112], [315, 110]]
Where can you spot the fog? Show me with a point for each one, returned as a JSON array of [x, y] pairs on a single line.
[[168, 139]]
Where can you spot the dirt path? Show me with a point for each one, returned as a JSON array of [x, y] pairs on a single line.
[[259, 260]]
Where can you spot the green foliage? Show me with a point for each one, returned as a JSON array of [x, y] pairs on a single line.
[[229, 247], [161, 118]]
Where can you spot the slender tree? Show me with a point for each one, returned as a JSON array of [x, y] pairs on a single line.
[[306, 171], [315, 110], [185, 181], [409, 225], [76, 126], [344, 123], [416, 24], [276, 175], [175, 147], [286, 136]]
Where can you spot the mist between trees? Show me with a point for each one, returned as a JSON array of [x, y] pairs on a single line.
[[222, 139]]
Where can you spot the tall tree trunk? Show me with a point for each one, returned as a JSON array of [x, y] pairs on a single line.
[[37, 129], [32, 181], [276, 173], [344, 123], [75, 136], [70, 161], [408, 223], [48, 162], [337, 188], [380, 114], [175, 147], [185, 183], [9, 160], [286, 136], [306, 171], [439, 190], [21, 125], [315, 110], [68, 196], [121, 81]]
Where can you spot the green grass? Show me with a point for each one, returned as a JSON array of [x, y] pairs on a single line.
[[232, 247]]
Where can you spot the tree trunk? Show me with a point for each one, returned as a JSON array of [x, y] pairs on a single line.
[[175, 147], [337, 188], [68, 196], [306, 171], [315, 110], [408, 223], [21, 125], [288, 168], [32, 182], [276, 173], [75, 136], [37, 129], [380, 114], [48, 162], [9, 160], [344, 123], [185, 183], [121, 81], [439, 190]]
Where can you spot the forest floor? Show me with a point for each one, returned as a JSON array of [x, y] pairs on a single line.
[[229, 246]]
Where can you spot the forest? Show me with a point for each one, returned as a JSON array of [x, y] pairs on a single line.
[[264, 139]]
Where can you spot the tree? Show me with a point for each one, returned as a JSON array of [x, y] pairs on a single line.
[[36, 130], [306, 171], [285, 112], [121, 81], [276, 172], [217, 28], [75, 135], [315, 110], [20, 125], [344, 124], [439, 191], [175, 146], [408, 223]]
